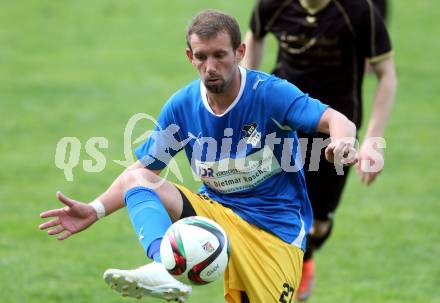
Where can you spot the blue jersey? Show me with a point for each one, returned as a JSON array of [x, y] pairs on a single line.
[[246, 157]]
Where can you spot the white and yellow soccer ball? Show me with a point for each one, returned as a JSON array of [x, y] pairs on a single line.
[[195, 250]]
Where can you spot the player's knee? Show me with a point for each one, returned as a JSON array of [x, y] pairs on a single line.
[[140, 177], [321, 228], [321, 232]]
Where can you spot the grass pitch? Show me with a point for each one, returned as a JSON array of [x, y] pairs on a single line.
[[82, 69]]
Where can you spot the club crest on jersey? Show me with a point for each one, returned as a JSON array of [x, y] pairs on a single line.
[[251, 134]]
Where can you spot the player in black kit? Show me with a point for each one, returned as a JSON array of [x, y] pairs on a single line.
[[323, 45]]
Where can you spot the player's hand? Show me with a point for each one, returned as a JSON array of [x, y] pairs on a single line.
[[370, 164], [73, 218], [342, 152]]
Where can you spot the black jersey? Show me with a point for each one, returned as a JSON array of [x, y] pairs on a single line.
[[382, 7], [324, 53]]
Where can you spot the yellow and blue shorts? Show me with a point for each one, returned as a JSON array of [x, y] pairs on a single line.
[[263, 266]]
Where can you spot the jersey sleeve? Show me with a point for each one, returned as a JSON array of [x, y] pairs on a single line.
[[163, 143], [372, 35], [297, 109], [264, 11]]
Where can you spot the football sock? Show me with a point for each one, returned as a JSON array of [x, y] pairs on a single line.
[[153, 251], [149, 218], [309, 249]]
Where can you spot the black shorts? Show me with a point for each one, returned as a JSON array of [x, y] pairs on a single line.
[[324, 185]]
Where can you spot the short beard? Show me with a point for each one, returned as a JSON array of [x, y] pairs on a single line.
[[219, 88], [216, 89]]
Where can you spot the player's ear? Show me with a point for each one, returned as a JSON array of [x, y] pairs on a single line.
[[190, 55], [240, 52]]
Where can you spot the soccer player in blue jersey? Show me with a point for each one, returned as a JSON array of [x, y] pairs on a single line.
[[238, 130]]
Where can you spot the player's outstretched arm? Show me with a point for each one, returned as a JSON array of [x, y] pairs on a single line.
[[254, 51], [382, 104], [76, 216], [342, 131]]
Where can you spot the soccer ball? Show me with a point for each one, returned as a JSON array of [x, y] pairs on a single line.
[[195, 250]]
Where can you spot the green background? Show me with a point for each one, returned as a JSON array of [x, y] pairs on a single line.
[[83, 68]]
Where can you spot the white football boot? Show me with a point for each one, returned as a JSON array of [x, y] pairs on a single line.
[[151, 280]]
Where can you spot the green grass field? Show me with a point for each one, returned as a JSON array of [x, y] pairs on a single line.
[[83, 68]]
